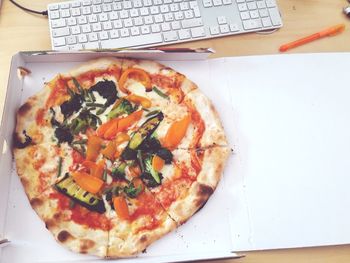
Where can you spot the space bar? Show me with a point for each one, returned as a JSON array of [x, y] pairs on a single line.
[[132, 41]]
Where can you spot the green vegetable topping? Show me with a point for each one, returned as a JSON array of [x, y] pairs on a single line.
[[131, 191], [123, 107], [160, 93], [59, 169]]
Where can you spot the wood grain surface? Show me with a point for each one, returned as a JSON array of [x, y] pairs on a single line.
[[20, 31]]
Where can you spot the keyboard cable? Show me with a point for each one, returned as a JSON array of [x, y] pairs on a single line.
[[44, 13]]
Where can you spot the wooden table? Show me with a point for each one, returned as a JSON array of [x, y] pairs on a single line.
[[21, 31]]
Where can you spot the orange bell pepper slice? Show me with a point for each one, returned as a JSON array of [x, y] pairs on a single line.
[[104, 127], [109, 150], [121, 207], [94, 144], [129, 120], [157, 163], [121, 137], [90, 165], [135, 73], [112, 130], [145, 102], [135, 170], [176, 132], [98, 171], [87, 182]]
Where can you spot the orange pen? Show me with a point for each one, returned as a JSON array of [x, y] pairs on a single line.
[[324, 33]]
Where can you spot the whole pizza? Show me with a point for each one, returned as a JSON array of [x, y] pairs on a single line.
[[116, 153]]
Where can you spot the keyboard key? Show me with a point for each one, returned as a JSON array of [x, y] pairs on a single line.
[[96, 9], [135, 31], [58, 23], [75, 30], [75, 4], [245, 15], [158, 18], [144, 11], [82, 20], [234, 27], [214, 30], [270, 3], [217, 2], [227, 2], [136, 41], [124, 32], [53, 7], [169, 17], [184, 6], [71, 21], [263, 12], [252, 24], [86, 10], [188, 14], [154, 10], [275, 16], [92, 36], [65, 13], [134, 13], [96, 2], [157, 2], [75, 12], [117, 6], [60, 32], [64, 5], [155, 28], [196, 12], [92, 18], [179, 15], [103, 35], [175, 25], [86, 2], [192, 23], [174, 7], [197, 32], [165, 26], [184, 34], [261, 4], [254, 14], [147, 2], [117, 24], [86, 28], [114, 33], [137, 3], [92, 45], [71, 40], [251, 6], [138, 21], [107, 25], [127, 4], [124, 14], [193, 4], [266, 22], [145, 30], [96, 27], [224, 29], [103, 17], [113, 15], [221, 20], [127, 22], [148, 20], [242, 7], [59, 41], [54, 15], [107, 8], [75, 47], [164, 9], [170, 36], [240, 1], [82, 39], [207, 3]]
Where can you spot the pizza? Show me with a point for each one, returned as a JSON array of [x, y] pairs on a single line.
[[117, 153]]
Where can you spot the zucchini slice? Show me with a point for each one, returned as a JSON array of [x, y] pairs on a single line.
[[68, 187]]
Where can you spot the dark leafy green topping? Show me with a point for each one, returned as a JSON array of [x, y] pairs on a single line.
[[107, 90], [149, 180], [119, 172], [151, 145], [104, 175], [54, 122], [165, 154], [129, 154], [124, 107], [151, 113], [160, 93], [131, 191], [63, 135], [84, 120], [82, 141], [18, 142], [72, 105], [112, 191]]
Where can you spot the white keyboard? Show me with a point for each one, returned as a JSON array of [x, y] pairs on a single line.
[[100, 24]]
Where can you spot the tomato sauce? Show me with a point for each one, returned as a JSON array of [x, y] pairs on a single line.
[[58, 92], [40, 117], [198, 123], [87, 79], [82, 215]]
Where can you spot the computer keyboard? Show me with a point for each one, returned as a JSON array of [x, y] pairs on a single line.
[[100, 24]]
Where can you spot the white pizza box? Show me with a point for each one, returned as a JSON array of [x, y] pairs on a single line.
[[285, 185]]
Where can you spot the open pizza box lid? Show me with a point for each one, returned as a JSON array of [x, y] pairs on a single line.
[[285, 185]]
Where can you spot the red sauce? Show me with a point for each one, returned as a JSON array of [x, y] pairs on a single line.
[[77, 157], [58, 91], [88, 78], [82, 215], [40, 117], [168, 82], [198, 123]]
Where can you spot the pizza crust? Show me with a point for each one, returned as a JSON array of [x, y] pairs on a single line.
[[214, 134]]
